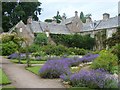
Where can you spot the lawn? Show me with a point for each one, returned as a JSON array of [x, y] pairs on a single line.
[[80, 88], [3, 78], [8, 88], [25, 61], [34, 69]]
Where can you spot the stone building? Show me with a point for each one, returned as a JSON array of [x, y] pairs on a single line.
[[99, 30]]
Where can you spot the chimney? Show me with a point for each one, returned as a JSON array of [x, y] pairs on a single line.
[[88, 19], [29, 20], [106, 16], [76, 14], [63, 18]]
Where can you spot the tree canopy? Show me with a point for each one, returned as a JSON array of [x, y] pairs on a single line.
[[82, 17], [13, 12], [58, 17]]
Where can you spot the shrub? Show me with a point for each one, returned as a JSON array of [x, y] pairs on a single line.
[[11, 43], [106, 60], [9, 48], [77, 51], [34, 48], [55, 50], [39, 55], [41, 39], [75, 40], [48, 49], [6, 37], [116, 51], [53, 69], [60, 50], [93, 79]]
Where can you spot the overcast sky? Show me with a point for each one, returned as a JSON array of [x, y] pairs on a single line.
[[94, 7]]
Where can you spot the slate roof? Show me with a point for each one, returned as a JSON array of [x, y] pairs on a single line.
[[110, 23], [53, 28], [101, 24], [61, 28], [90, 26], [67, 21]]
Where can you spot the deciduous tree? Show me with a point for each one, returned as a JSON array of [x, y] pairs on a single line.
[[13, 12]]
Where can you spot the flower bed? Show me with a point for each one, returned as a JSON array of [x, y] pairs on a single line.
[[55, 68], [93, 79], [16, 56]]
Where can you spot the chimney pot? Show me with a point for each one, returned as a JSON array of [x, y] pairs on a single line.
[[88, 19], [76, 13], [106, 16], [29, 20]]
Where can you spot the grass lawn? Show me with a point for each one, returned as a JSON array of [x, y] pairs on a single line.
[[8, 88], [80, 88], [3, 78], [25, 61], [34, 69]]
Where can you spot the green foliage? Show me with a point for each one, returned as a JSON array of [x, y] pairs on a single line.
[[75, 40], [77, 51], [100, 37], [58, 18], [116, 50], [48, 20], [11, 43], [41, 39], [39, 53], [62, 50], [3, 78], [115, 39], [9, 48], [55, 50], [34, 48], [82, 17], [13, 12], [8, 88], [31, 62], [107, 61]]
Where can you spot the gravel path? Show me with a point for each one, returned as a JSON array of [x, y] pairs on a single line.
[[22, 78]]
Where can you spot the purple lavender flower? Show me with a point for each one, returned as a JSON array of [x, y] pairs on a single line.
[[93, 79], [13, 56], [55, 68], [16, 56]]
